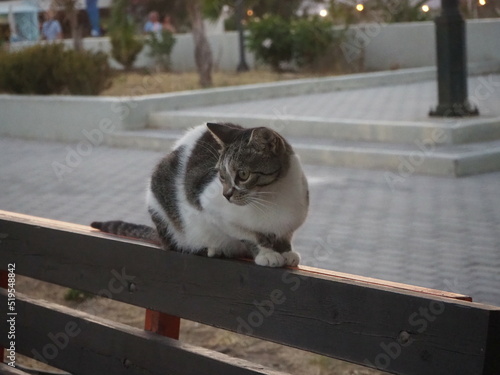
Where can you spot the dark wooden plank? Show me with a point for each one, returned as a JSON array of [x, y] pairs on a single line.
[[87, 345], [389, 328], [492, 351], [3, 284]]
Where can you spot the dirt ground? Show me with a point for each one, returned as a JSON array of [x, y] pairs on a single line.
[[144, 82], [271, 355]]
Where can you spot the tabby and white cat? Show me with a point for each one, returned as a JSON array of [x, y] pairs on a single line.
[[227, 191]]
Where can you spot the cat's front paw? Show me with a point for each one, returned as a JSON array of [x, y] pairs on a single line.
[[214, 253], [291, 258], [269, 258]]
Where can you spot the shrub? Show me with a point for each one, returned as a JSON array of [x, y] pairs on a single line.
[[271, 40], [50, 69], [125, 44], [312, 39], [161, 46], [305, 42]]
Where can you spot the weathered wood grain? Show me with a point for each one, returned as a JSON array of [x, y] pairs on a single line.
[[86, 345], [398, 330]]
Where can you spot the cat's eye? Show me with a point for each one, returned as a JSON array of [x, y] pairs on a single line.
[[243, 175], [221, 177]]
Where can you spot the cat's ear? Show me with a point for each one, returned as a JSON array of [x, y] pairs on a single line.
[[223, 134], [264, 138]]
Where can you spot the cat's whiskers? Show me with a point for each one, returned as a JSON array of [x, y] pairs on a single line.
[[263, 203], [265, 193], [263, 200], [257, 206]]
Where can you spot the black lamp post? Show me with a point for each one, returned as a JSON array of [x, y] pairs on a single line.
[[451, 63], [242, 66]]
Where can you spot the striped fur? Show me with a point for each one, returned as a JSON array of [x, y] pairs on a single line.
[[226, 191], [122, 228]]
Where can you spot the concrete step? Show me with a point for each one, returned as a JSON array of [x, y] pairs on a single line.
[[437, 131], [147, 139], [399, 160]]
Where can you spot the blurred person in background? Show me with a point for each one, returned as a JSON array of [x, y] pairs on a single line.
[[167, 24], [153, 24], [93, 13], [51, 28]]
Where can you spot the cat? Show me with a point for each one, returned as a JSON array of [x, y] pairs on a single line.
[[226, 191]]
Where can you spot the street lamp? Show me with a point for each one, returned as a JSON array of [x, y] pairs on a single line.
[[242, 66], [451, 63]]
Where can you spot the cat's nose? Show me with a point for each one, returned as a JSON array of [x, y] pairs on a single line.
[[228, 193]]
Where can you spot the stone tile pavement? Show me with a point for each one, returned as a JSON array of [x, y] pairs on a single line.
[[430, 231], [408, 102]]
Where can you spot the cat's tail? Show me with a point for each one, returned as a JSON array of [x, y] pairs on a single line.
[[122, 228]]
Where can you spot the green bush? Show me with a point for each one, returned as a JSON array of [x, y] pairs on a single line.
[[50, 69], [276, 41], [312, 39], [271, 40], [125, 44], [160, 47]]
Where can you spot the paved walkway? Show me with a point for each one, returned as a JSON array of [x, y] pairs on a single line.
[[434, 232], [409, 102]]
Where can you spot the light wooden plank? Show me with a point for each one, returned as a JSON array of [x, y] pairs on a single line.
[[8, 370], [392, 284]]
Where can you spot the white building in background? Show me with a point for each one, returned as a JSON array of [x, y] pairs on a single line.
[[21, 18]]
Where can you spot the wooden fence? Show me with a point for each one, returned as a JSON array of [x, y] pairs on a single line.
[[395, 327]]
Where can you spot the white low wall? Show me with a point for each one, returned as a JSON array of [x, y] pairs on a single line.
[[380, 46], [225, 52], [412, 45]]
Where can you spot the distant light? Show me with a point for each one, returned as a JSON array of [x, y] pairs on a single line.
[[323, 13], [360, 7], [249, 12], [482, 2], [425, 8]]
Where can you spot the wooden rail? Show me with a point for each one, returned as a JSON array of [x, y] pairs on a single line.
[[394, 327]]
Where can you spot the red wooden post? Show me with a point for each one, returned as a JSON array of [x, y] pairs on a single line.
[[162, 324], [3, 284]]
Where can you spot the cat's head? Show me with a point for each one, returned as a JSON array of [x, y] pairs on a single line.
[[250, 160]]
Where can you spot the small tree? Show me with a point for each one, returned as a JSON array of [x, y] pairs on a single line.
[[312, 39], [161, 45], [202, 51], [71, 16], [271, 40], [124, 42], [401, 11]]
